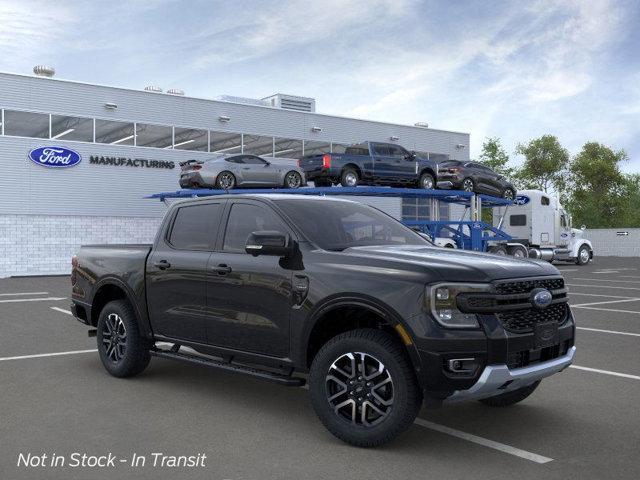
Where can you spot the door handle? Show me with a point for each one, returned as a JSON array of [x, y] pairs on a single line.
[[222, 269], [162, 264], [246, 168]]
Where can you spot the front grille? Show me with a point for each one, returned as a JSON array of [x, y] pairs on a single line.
[[508, 288], [522, 321]]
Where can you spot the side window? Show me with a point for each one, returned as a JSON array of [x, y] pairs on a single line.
[[245, 218], [563, 221], [544, 200], [381, 149], [253, 160], [195, 227], [396, 151], [238, 159], [517, 220]]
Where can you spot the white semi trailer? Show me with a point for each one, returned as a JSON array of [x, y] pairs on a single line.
[[540, 223]]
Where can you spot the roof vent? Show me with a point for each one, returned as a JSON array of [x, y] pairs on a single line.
[[175, 91], [153, 88], [44, 71], [292, 102]]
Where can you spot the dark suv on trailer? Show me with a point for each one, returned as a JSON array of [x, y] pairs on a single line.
[[474, 177], [274, 286]]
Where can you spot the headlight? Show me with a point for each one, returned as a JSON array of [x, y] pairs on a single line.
[[442, 298]]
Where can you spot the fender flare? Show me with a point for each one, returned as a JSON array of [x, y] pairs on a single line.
[[578, 244], [143, 319], [369, 303]]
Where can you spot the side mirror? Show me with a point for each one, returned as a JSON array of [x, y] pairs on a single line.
[[583, 227], [265, 242]]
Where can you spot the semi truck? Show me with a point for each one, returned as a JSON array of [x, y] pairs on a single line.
[[538, 222]]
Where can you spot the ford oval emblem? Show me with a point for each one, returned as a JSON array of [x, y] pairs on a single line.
[[55, 157], [521, 200], [541, 298]]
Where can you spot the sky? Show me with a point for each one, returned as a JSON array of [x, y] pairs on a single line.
[[514, 70]]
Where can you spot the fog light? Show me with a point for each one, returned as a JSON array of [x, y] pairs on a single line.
[[445, 314], [442, 294], [462, 365]]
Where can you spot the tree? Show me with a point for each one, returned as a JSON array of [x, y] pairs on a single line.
[[600, 193], [545, 164], [495, 157]]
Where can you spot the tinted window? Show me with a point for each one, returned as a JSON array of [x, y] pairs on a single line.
[[195, 227], [235, 159], [397, 151], [381, 149], [252, 160], [544, 200], [334, 225], [517, 220], [26, 124], [244, 219]]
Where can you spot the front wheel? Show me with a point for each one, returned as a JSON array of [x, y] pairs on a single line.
[[584, 255], [508, 194], [123, 351], [363, 387], [510, 398], [292, 180], [468, 185]]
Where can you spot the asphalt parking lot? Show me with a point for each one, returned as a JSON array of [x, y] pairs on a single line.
[[56, 398]]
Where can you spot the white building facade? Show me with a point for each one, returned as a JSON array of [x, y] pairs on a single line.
[[129, 144]]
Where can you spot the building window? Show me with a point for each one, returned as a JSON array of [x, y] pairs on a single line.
[[72, 128], [312, 147], [225, 142], [114, 133], [157, 136], [287, 148], [258, 145], [26, 124], [191, 139]]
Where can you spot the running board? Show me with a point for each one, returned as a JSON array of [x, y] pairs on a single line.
[[279, 378]]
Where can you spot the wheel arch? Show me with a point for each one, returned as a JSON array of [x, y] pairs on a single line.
[[341, 314], [430, 171], [354, 167], [579, 244], [110, 289]]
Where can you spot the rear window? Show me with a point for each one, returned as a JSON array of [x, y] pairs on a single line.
[[517, 220], [195, 227]]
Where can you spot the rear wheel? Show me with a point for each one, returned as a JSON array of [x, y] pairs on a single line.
[[292, 180], [518, 251], [226, 180], [427, 181], [508, 194], [510, 398], [468, 185], [498, 250], [349, 178], [123, 351], [363, 387]]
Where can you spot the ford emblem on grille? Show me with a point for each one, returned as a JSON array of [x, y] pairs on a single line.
[[541, 298]]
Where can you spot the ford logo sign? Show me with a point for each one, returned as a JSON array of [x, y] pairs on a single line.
[[521, 200], [541, 298], [55, 157]]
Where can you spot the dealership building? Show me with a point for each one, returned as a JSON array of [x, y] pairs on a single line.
[[128, 144]]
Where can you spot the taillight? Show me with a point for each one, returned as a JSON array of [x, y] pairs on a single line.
[[74, 266], [326, 161], [196, 167], [299, 163]]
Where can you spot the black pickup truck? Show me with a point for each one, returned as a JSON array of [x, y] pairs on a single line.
[[371, 163], [278, 286]]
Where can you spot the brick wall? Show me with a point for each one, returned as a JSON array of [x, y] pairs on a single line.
[[44, 244]]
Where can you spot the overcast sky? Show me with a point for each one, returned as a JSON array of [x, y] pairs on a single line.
[[515, 70]]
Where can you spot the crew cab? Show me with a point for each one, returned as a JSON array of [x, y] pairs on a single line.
[[281, 287], [371, 163]]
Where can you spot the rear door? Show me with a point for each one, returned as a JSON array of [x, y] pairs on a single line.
[[249, 298], [177, 272]]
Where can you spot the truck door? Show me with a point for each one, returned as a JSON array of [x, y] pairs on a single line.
[[177, 272], [403, 166], [382, 161], [248, 298]]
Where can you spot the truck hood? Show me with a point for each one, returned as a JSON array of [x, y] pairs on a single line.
[[457, 265]]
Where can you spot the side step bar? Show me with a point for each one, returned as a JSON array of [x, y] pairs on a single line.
[[279, 378]]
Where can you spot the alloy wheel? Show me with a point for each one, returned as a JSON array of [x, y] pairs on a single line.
[[226, 181], [114, 337], [351, 179], [508, 194], [293, 180], [584, 255], [467, 185], [360, 389], [427, 182]]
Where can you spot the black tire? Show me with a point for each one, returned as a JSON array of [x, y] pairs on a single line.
[[292, 180], [349, 177], [225, 180], [583, 258], [427, 182], [509, 194], [403, 390], [468, 185], [132, 356], [510, 398], [498, 250], [322, 182]]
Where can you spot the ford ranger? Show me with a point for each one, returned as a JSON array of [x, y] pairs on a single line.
[[371, 163], [281, 286]]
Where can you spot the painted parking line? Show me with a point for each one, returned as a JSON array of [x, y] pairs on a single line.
[[534, 457], [22, 293], [571, 294], [606, 302], [602, 286], [606, 309], [16, 300], [607, 280], [568, 269], [608, 331], [606, 372], [61, 310], [42, 355]]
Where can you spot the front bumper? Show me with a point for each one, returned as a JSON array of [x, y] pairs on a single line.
[[498, 379]]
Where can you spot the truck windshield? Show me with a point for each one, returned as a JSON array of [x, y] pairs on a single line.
[[336, 225]]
